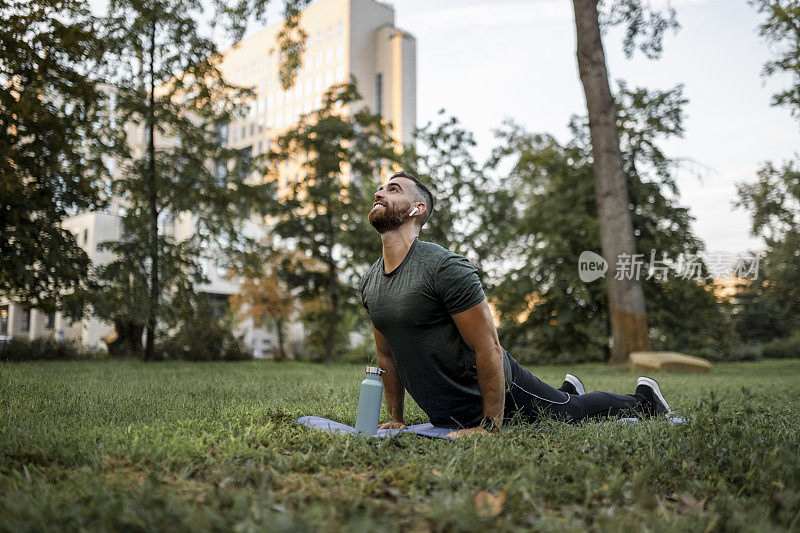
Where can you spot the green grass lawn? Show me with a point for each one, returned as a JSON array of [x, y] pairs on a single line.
[[182, 446]]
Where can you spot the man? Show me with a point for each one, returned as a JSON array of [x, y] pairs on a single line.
[[435, 336]]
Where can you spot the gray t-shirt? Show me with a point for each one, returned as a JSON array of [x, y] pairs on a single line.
[[411, 307]]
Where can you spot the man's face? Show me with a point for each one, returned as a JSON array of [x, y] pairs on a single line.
[[393, 202]]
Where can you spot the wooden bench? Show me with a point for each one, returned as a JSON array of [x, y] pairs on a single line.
[[657, 361]]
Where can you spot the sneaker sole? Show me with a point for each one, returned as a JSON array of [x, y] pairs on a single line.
[[575, 383], [654, 385]]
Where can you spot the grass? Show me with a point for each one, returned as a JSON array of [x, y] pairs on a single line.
[[214, 446]]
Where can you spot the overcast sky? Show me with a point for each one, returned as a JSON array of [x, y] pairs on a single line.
[[487, 60]]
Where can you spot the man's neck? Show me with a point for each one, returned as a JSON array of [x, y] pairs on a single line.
[[396, 244]]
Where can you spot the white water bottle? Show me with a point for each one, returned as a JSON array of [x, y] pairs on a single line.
[[369, 401]]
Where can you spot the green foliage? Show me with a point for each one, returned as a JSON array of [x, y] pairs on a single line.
[[125, 445], [543, 214], [768, 310], [781, 30], [442, 158], [325, 172], [52, 137], [17, 349], [644, 26], [770, 305], [188, 175], [204, 340], [785, 348]]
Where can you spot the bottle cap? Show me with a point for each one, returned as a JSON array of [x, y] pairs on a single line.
[[375, 371]]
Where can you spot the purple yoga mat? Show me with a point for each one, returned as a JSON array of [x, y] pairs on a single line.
[[426, 430]]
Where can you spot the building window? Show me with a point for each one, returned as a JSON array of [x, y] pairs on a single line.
[[329, 56], [252, 129], [220, 172], [329, 33], [340, 28], [25, 322], [328, 78], [244, 131], [340, 51], [50, 320], [85, 236], [319, 37], [235, 135], [318, 60], [4, 320], [222, 134], [379, 93], [340, 73]]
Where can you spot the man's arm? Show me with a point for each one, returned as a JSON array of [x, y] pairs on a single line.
[[395, 394], [477, 329]]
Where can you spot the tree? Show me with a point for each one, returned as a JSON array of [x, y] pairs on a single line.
[[328, 168], [442, 158], [263, 296], [769, 308], [781, 30], [543, 214], [625, 296], [52, 137], [170, 92]]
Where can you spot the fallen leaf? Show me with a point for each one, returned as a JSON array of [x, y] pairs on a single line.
[[436, 473], [487, 504]]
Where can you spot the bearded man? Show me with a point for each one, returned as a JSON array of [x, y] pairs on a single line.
[[435, 336]]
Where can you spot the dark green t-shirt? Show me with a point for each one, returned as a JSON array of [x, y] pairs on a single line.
[[411, 307]]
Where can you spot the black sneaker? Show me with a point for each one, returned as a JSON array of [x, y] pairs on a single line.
[[572, 385], [648, 389]]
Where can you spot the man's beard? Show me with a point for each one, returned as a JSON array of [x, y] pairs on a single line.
[[388, 218]]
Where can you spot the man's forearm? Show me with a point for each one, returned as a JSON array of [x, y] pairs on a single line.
[[492, 382], [395, 394]]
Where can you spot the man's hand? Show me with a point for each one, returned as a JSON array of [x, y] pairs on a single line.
[[477, 430], [392, 424]]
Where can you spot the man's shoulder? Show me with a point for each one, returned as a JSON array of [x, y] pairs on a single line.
[[433, 254]]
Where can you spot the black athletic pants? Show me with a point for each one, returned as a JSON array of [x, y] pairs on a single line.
[[534, 398]]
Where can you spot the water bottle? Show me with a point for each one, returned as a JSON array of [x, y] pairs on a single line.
[[369, 401]]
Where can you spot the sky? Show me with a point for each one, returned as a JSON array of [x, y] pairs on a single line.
[[484, 61]]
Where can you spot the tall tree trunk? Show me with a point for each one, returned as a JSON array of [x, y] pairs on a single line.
[[149, 354], [333, 288], [625, 296], [281, 355]]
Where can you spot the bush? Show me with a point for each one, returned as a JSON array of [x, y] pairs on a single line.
[[39, 349], [205, 340], [785, 348], [745, 352]]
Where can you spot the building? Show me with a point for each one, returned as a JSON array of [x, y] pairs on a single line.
[[344, 38]]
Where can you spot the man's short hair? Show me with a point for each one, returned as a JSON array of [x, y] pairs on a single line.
[[422, 193]]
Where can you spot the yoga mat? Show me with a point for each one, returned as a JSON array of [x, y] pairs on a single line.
[[426, 430]]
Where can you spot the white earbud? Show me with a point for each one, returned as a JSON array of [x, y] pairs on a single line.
[[413, 211]]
